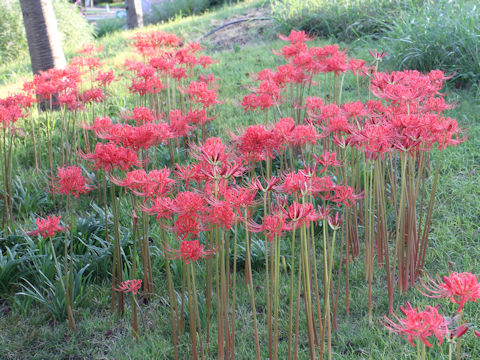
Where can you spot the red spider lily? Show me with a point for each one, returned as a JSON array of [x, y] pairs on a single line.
[[256, 184], [460, 288], [89, 49], [272, 225], [100, 125], [47, 227], [191, 251], [295, 183], [221, 213], [151, 43], [419, 324], [327, 159], [303, 134], [188, 203], [85, 63], [335, 222], [458, 332], [257, 143], [94, 95], [179, 124], [105, 78], [109, 156], [160, 207], [142, 115], [213, 151], [477, 333], [357, 66], [301, 214], [187, 173], [9, 115], [377, 55], [140, 137], [200, 93], [156, 183], [130, 286], [70, 181], [344, 194]]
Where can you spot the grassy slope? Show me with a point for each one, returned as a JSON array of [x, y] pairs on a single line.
[[454, 243]]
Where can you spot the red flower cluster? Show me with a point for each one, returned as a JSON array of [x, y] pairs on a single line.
[[460, 288], [419, 325], [47, 227], [130, 286], [70, 181]]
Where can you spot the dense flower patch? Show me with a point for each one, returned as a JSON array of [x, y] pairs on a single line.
[[319, 177]]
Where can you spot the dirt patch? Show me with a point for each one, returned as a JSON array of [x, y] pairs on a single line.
[[241, 33]]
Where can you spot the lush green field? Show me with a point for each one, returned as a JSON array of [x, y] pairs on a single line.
[[28, 332]]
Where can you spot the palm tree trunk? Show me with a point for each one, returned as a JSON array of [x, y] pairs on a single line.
[[134, 13], [42, 35]]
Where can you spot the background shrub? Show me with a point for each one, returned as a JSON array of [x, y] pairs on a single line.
[[167, 9], [442, 34], [73, 27], [342, 19]]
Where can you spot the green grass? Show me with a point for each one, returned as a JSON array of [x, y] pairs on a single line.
[[29, 332]]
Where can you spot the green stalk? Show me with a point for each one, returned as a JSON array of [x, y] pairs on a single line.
[[252, 294], [292, 270], [173, 301]]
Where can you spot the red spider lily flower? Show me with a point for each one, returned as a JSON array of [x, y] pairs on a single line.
[[419, 324], [458, 332], [357, 66], [187, 173], [221, 213], [156, 183], [257, 143], [301, 214], [295, 182], [89, 49], [240, 197], [94, 95], [9, 115], [198, 117], [179, 124], [344, 194], [460, 288], [70, 181], [188, 203], [152, 43], [477, 333], [139, 137], [201, 94], [142, 115], [100, 125], [256, 184], [335, 222], [109, 156], [272, 225], [303, 134], [89, 63], [133, 179], [323, 212], [47, 227], [295, 37], [105, 78], [187, 226], [327, 159], [191, 251], [213, 151], [377, 55], [130, 286], [160, 207]]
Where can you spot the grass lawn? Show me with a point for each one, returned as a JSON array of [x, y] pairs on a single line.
[[29, 333]]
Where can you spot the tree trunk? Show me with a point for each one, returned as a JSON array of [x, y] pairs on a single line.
[[42, 35], [134, 13]]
